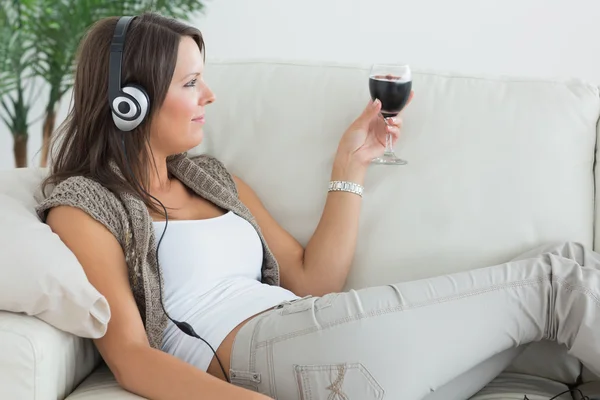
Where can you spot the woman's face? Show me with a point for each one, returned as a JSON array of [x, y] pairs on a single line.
[[177, 125]]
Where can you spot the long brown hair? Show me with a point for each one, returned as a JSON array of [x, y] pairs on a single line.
[[88, 141]]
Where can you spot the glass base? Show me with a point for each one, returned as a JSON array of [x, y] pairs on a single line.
[[389, 159]]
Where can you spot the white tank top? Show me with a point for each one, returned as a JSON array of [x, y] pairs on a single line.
[[212, 271]]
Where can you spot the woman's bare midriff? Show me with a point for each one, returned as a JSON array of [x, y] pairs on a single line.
[[224, 351]]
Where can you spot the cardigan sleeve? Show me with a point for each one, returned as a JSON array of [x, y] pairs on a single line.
[[90, 197]]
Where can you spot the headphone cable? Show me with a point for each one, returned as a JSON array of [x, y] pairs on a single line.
[[583, 397], [182, 325]]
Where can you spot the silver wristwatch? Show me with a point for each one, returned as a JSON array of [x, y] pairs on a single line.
[[343, 186]]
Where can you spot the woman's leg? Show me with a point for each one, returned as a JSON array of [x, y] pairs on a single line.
[[470, 382], [406, 340]]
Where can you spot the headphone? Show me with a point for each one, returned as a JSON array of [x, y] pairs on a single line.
[[129, 104]]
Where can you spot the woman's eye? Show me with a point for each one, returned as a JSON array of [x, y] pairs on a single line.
[[191, 83]]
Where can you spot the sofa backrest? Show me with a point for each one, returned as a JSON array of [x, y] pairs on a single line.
[[495, 165]]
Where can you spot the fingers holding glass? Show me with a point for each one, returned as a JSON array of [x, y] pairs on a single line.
[[392, 85]]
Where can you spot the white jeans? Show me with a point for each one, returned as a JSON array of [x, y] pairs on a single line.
[[407, 340]]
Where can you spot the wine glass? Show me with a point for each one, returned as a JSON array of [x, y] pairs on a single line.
[[392, 85]]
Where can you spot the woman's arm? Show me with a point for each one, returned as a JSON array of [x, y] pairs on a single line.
[[137, 367], [330, 250], [323, 266]]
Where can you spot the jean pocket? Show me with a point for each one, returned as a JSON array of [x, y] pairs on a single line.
[[337, 381]]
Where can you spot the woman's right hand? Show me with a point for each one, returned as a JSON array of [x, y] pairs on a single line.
[[366, 137]]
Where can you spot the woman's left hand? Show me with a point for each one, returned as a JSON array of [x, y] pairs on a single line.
[[365, 139]]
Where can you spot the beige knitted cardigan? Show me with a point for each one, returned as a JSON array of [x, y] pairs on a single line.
[[127, 218]]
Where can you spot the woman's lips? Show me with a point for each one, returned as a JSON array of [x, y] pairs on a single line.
[[199, 119]]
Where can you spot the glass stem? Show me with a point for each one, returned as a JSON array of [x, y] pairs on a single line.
[[388, 144]]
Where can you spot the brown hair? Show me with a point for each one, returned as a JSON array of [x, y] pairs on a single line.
[[88, 140]]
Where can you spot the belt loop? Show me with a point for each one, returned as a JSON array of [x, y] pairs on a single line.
[[245, 376], [288, 302]]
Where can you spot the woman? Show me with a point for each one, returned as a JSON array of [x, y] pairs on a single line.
[[271, 309]]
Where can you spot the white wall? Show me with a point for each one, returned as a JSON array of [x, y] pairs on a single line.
[[543, 38], [517, 37]]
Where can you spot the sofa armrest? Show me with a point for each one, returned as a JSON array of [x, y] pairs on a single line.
[[40, 362]]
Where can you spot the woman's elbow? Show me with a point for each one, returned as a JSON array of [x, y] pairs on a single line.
[[123, 366], [121, 371]]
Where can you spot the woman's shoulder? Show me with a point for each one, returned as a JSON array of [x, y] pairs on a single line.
[[83, 193]]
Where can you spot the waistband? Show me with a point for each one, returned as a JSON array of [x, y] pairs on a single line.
[[242, 368]]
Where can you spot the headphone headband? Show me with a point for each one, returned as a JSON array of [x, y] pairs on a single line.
[[116, 57]]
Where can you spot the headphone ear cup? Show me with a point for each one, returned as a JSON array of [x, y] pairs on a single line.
[[135, 102], [138, 93]]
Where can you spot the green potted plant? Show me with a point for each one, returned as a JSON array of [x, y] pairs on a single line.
[[16, 83]]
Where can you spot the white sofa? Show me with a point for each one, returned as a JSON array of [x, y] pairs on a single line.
[[495, 166]]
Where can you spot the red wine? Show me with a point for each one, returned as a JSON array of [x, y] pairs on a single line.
[[392, 91]]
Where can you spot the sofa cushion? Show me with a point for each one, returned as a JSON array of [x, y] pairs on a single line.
[[23, 184], [50, 299], [548, 359], [469, 383], [589, 389], [101, 385], [512, 386], [39, 275], [39, 362]]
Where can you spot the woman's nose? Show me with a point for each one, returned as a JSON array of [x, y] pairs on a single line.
[[207, 96]]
